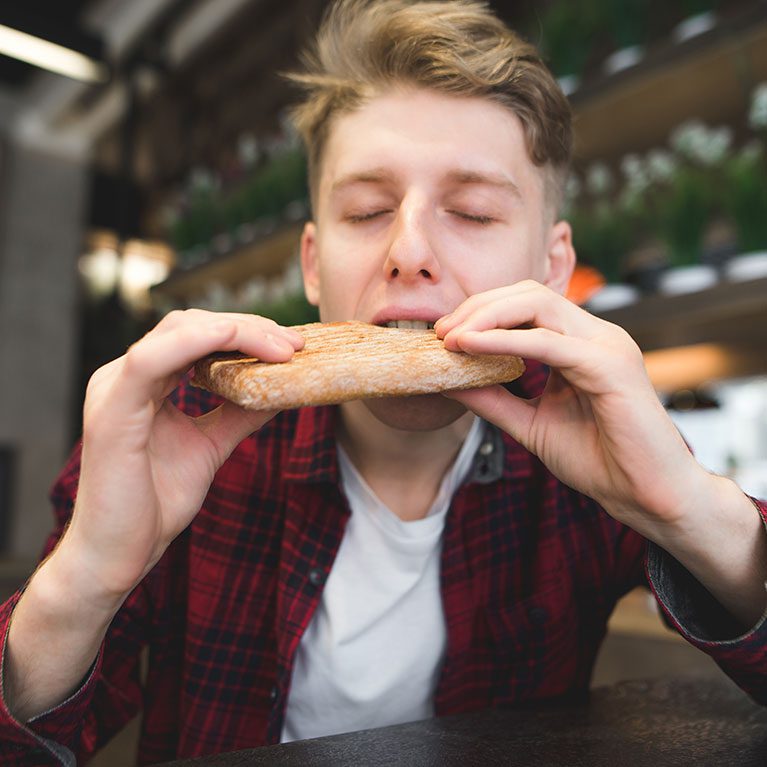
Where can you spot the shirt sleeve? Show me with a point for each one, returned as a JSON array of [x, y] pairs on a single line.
[[691, 609], [108, 696], [42, 739]]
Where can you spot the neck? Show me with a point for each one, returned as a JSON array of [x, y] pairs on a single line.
[[404, 468]]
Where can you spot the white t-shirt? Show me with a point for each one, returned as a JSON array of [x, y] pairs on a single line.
[[372, 653]]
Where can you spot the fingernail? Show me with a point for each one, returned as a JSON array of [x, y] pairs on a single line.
[[293, 337], [278, 343]]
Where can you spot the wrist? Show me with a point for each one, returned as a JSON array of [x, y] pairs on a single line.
[[65, 582]]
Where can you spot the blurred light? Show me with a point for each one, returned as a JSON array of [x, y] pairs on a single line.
[[141, 265], [687, 367], [47, 55], [100, 269]]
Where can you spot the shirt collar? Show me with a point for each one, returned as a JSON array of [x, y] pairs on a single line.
[[499, 456]]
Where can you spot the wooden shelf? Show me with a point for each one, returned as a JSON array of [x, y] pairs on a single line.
[[709, 77], [728, 313], [723, 330], [266, 257]]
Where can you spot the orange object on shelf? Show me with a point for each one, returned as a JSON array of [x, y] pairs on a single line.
[[584, 283]]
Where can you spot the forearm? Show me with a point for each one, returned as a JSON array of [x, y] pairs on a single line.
[[721, 539], [54, 637]]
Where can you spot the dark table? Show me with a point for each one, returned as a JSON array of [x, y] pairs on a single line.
[[655, 723]]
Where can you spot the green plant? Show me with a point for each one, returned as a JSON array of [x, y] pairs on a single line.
[[265, 194], [745, 197], [602, 234], [567, 36], [627, 21], [682, 211], [695, 7]]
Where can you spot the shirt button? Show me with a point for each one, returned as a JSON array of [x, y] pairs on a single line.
[[486, 448], [538, 615], [274, 693], [316, 576]]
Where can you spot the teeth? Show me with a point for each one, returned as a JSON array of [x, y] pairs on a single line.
[[410, 324]]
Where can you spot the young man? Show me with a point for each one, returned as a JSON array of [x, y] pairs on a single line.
[[329, 569]]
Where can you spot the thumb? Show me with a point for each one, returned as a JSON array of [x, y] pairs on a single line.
[[500, 407], [229, 424]]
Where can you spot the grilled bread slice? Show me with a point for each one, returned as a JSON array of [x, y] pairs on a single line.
[[344, 361]]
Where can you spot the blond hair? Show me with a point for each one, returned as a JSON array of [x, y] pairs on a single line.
[[459, 47]]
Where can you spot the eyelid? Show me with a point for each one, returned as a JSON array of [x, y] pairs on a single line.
[[356, 218], [478, 217]]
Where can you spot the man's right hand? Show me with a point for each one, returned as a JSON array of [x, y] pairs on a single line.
[[146, 468]]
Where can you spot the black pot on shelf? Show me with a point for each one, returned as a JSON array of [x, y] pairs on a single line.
[[645, 265]]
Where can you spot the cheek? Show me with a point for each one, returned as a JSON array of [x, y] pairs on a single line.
[[505, 265]]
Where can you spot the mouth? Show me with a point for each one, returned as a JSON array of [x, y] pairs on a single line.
[[409, 324]]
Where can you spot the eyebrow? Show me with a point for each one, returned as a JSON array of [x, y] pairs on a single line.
[[372, 176], [456, 176], [486, 179]]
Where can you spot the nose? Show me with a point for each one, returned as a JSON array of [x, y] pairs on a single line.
[[411, 256]]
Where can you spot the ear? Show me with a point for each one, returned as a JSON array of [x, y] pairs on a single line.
[[560, 261], [309, 263]]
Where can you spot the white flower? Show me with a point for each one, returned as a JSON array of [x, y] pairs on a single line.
[[202, 180], [687, 139], [572, 187], [757, 116], [599, 179], [248, 149], [293, 278], [661, 165], [694, 141], [253, 293], [635, 173], [719, 142]]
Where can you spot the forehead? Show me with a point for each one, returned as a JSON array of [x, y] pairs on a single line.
[[429, 134]]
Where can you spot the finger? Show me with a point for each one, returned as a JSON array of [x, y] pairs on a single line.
[[539, 344], [179, 318], [445, 324], [149, 364], [499, 406], [535, 308]]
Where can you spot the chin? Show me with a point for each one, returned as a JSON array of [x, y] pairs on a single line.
[[426, 412]]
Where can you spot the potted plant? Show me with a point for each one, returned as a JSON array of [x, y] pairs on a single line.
[[646, 258], [627, 23], [566, 41], [745, 200], [685, 204], [746, 196], [602, 234], [699, 17]]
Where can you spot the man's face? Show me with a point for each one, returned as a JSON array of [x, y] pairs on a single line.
[[425, 199]]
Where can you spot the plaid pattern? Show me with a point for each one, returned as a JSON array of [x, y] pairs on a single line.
[[530, 573]]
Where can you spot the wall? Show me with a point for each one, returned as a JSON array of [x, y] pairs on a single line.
[[42, 204]]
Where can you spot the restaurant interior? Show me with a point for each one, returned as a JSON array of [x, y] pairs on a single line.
[[147, 164]]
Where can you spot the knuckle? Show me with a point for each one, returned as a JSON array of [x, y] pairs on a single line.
[[173, 317], [133, 359]]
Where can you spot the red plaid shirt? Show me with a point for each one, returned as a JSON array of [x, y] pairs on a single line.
[[530, 573]]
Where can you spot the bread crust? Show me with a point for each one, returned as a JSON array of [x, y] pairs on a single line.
[[344, 361]]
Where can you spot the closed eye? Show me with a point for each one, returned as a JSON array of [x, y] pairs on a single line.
[[358, 218], [477, 219]]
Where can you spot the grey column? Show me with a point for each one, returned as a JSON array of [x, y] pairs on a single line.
[[42, 212]]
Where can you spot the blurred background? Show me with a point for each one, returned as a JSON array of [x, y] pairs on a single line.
[[146, 163]]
